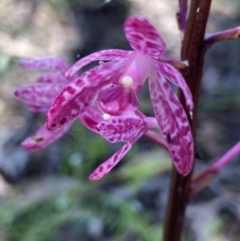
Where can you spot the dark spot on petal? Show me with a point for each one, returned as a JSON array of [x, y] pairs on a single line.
[[53, 125], [169, 138], [178, 112], [79, 82], [134, 25], [166, 85], [63, 120], [91, 122], [70, 90], [137, 37], [115, 158], [151, 45], [52, 110]]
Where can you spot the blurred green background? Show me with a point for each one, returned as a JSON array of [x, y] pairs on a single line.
[[46, 195]]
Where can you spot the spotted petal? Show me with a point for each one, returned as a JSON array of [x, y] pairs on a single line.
[[103, 55], [176, 78], [121, 128], [172, 122], [113, 128], [143, 37], [108, 165], [48, 63], [80, 93], [40, 94], [44, 137]]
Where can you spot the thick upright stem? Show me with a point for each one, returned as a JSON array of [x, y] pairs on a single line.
[[193, 52]]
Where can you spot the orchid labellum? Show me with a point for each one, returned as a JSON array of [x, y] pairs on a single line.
[[128, 128]]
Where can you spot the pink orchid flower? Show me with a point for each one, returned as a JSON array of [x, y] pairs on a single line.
[[39, 96], [114, 84]]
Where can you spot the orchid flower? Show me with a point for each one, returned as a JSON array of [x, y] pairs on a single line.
[[39, 96], [115, 82]]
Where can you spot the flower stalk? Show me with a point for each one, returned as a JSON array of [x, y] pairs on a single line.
[[193, 52], [203, 178], [155, 138], [228, 34]]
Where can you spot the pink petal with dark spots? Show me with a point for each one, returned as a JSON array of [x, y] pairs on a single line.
[[40, 94], [103, 55], [48, 63], [117, 99], [55, 77], [44, 137], [176, 78], [80, 93], [143, 37], [121, 128], [173, 123], [108, 165]]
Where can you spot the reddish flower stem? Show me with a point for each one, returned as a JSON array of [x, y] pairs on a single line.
[[203, 178], [193, 52]]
